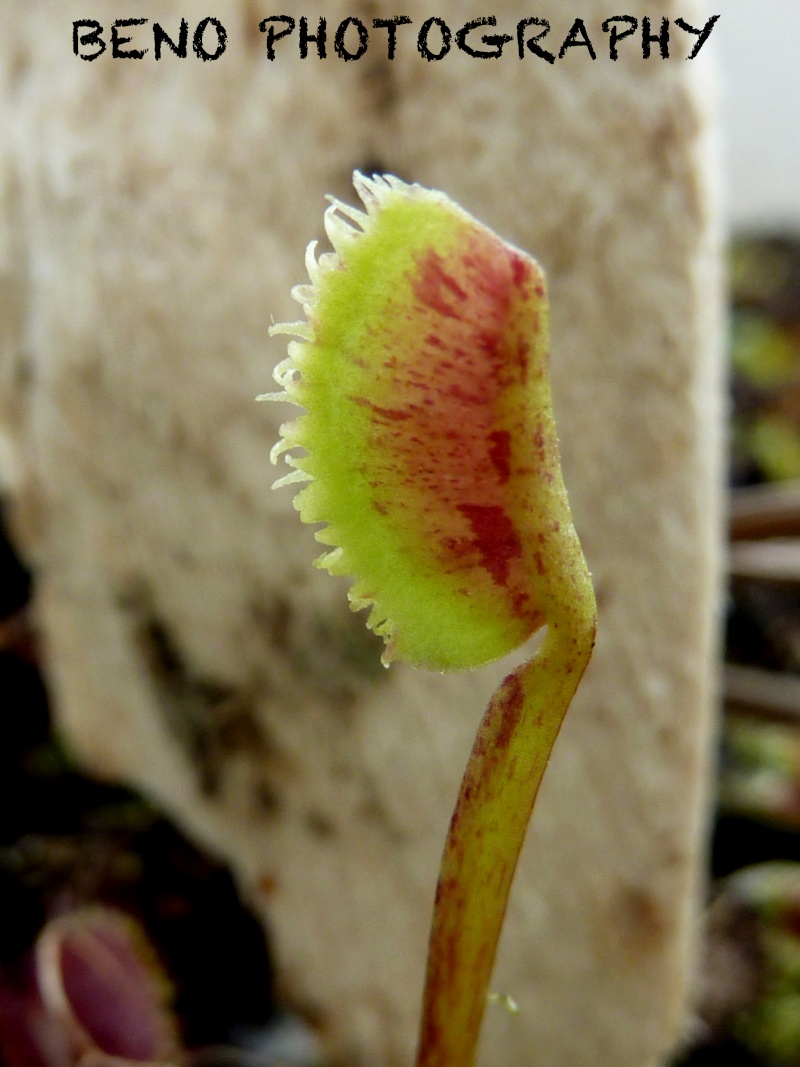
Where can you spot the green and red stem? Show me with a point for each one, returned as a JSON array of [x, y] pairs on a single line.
[[486, 833]]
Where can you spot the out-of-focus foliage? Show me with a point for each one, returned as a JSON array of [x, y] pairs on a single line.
[[768, 896], [765, 360], [760, 774]]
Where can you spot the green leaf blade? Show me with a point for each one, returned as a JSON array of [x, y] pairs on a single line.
[[430, 440]]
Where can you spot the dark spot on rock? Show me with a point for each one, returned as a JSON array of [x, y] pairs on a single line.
[[266, 884], [330, 654], [267, 799], [272, 616], [319, 824], [210, 721], [642, 916]]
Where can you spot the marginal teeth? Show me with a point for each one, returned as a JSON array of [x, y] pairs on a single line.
[[312, 266], [305, 295], [286, 373], [277, 450], [328, 559], [328, 261], [393, 182], [297, 349], [371, 190], [354, 214], [292, 477], [340, 232], [293, 329], [365, 187], [326, 536], [282, 396], [344, 225], [378, 622]]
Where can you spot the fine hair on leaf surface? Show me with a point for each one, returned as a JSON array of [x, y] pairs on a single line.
[[429, 453]]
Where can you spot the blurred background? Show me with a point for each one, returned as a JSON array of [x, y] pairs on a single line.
[[751, 1011], [757, 49], [750, 990]]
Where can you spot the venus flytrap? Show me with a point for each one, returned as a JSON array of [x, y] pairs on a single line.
[[430, 451], [104, 999]]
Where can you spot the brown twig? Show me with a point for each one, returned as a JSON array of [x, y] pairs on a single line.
[[761, 511], [772, 560], [771, 695]]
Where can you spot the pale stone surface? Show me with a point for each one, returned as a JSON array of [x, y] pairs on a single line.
[[760, 114], [154, 216]]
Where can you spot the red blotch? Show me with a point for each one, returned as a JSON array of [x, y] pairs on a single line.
[[430, 288], [538, 437], [520, 269], [509, 703], [522, 357], [495, 538], [500, 454], [392, 414], [430, 1037]]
